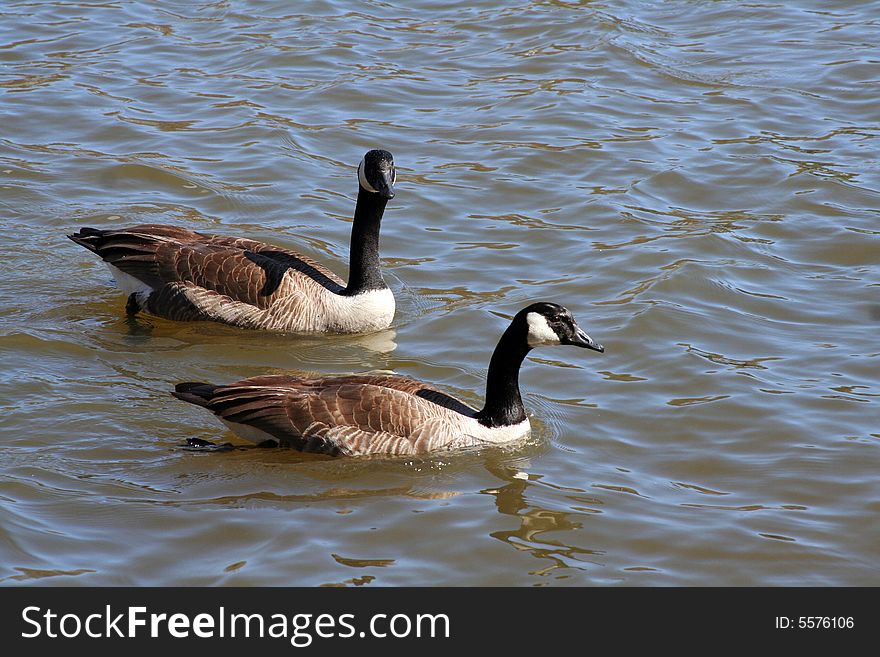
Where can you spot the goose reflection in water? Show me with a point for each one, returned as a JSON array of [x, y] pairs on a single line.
[[535, 523]]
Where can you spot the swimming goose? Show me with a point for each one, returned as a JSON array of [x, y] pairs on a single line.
[[383, 414], [183, 275]]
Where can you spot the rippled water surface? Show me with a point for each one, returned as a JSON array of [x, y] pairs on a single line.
[[697, 181]]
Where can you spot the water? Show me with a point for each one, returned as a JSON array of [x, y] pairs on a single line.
[[697, 182]]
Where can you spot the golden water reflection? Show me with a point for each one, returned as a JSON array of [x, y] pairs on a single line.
[[535, 525]]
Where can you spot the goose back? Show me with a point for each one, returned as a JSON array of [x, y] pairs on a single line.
[[344, 415], [185, 275]]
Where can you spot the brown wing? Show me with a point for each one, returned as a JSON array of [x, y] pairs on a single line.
[[395, 382], [339, 415], [284, 257], [243, 270]]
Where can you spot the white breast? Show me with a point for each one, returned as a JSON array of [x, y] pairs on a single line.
[[369, 311], [482, 434]]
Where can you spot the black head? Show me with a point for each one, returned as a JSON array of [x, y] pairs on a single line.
[[376, 173], [549, 323]]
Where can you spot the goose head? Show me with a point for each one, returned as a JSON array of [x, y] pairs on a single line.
[[551, 324], [376, 173], [535, 325]]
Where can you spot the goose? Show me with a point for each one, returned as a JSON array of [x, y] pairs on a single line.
[[359, 415], [183, 275]]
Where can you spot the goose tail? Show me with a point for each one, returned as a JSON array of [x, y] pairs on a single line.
[[196, 393], [88, 237]]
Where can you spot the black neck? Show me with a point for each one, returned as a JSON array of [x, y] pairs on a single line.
[[364, 273], [503, 402]]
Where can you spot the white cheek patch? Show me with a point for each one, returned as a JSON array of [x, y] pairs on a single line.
[[362, 178], [540, 331]]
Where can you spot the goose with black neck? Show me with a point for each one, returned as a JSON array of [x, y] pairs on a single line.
[[371, 414], [184, 275]]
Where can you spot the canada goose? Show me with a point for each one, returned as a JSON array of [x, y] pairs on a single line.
[[376, 414], [183, 275]]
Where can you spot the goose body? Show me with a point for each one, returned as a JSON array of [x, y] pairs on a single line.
[[385, 414], [184, 275]]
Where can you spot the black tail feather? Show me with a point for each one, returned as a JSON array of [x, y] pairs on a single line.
[[87, 237], [196, 393]]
